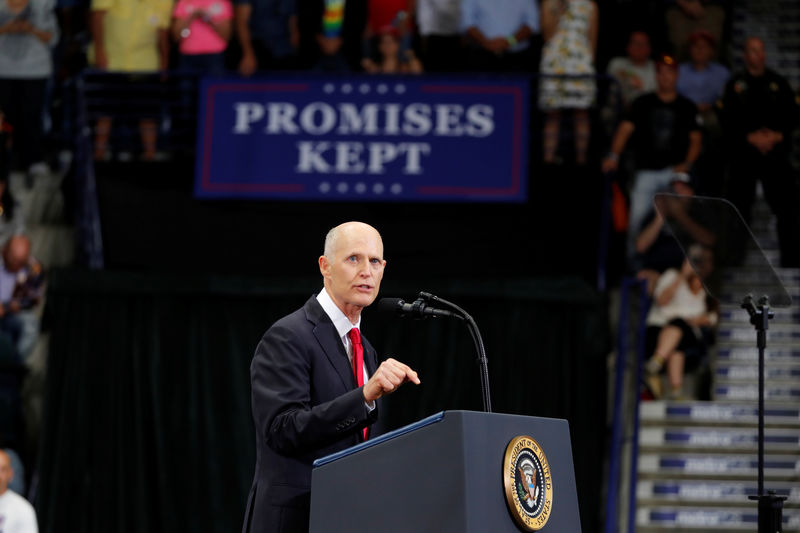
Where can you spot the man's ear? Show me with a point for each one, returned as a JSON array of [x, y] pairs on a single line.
[[324, 266]]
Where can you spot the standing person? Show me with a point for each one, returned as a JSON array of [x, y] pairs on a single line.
[[687, 16], [28, 31], [569, 29], [332, 34], [129, 37], [16, 514], [700, 79], [439, 27], [316, 381], [202, 29], [666, 138], [758, 113], [500, 34], [267, 32]]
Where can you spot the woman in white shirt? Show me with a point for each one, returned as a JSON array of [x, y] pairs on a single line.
[[681, 312]]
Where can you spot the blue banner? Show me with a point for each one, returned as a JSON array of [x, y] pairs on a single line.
[[363, 139]]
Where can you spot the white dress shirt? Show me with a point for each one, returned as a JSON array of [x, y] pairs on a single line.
[[343, 327]]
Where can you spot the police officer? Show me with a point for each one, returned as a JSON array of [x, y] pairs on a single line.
[[758, 112]]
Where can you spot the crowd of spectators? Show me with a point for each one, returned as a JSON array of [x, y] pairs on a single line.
[[675, 106], [560, 40]]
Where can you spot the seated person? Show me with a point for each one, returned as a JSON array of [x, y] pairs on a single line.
[[636, 72], [680, 321], [21, 286], [655, 245]]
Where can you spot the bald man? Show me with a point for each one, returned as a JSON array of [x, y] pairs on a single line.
[[16, 514], [308, 399], [21, 287]]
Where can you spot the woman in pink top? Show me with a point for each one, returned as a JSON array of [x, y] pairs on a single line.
[[202, 29]]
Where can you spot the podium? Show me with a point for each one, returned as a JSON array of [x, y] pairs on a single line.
[[456, 471]]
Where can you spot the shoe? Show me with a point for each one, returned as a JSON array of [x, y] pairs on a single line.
[[653, 366], [654, 384], [677, 396]]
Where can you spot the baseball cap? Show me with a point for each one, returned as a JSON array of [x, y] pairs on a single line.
[[667, 60]]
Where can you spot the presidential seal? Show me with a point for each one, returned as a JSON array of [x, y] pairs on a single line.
[[529, 487]]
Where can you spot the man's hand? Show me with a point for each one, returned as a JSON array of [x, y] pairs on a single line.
[[329, 45], [498, 45], [100, 58], [764, 140], [389, 376], [248, 64], [609, 164]]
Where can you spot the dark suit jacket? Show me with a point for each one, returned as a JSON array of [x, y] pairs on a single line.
[[305, 405]]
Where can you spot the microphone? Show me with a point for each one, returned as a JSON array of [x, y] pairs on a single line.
[[416, 309]]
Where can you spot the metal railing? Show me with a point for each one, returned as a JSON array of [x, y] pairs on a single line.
[[620, 423]]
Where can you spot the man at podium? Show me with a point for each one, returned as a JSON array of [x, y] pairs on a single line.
[[316, 381]]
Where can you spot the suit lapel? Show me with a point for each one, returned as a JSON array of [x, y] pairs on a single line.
[[328, 339], [370, 357]]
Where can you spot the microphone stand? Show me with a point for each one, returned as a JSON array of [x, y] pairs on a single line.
[[477, 340], [770, 505]]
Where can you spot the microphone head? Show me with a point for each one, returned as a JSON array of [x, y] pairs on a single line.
[[390, 305]]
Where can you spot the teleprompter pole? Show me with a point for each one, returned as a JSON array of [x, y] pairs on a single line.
[[770, 505]]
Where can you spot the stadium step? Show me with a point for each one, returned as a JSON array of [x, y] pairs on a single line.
[[718, 414], [744, 334], [718, 466], [786, 315], [747, 372], [678, 439], [780, 354], [665, 492], [775, 392], [707, 519]]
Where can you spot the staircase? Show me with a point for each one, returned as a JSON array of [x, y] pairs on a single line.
[[698, 461]]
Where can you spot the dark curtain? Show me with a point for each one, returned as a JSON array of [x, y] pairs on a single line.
[[147, 424]]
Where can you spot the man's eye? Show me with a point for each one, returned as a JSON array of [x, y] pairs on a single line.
[[375, 261], [352, 259]]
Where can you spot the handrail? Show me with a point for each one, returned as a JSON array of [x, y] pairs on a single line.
[[90, 240], [618, 420]]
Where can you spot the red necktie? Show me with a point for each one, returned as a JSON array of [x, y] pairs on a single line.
[[358, 360]]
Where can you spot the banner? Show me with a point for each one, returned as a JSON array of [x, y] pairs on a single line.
[[363, 139]]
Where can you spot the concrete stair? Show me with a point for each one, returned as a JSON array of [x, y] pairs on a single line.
[[698, 461]]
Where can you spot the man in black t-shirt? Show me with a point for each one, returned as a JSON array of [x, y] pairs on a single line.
[[758, 112], [666, 140]]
